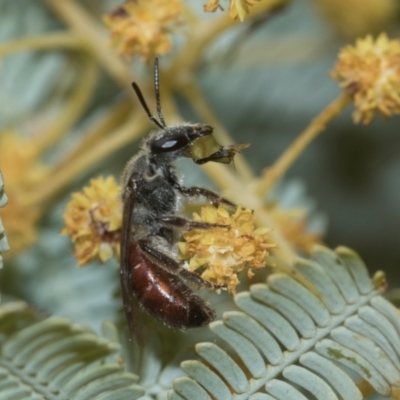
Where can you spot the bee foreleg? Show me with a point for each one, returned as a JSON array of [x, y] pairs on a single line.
[[212, 197]]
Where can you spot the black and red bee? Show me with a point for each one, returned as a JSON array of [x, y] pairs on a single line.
[[151, 273]]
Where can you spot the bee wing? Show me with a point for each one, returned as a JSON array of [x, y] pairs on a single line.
[[131, 306]]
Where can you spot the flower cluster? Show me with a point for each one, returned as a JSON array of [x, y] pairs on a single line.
[[19, 160], [222, 252], [22, 169], [144, 27], [93, 220], [370, 73], [237, 8]]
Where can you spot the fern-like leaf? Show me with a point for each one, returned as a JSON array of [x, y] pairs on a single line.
[[50, 358], [288, 341]]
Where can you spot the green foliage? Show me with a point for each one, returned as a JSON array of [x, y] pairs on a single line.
[[51, 358], [289, 340]]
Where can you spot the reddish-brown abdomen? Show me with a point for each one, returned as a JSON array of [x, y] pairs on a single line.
[[164, 295]]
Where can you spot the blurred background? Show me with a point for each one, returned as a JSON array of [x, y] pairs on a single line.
[[264, 79]]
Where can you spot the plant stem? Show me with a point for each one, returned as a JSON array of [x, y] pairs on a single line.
[[196, 99], [81, 22], [189, 56], [108, 123], [58, 179], [67, 41], [272, 174]]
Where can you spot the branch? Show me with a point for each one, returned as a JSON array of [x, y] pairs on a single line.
[[67, 41], [58, 179], [291, 154], [74, 107], [82, 23]]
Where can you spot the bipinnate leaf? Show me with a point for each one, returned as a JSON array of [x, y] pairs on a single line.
[[290, 342], [51, 358]]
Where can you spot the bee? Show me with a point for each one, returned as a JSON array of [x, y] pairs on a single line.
[[151, 273]]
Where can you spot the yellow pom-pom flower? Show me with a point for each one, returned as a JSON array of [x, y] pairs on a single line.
[[221, 253], [22, 170], [370, 73], [144, 27], [93, 220], [237, 8]]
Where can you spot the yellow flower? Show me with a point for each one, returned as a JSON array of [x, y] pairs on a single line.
[[237, 8], [93, 220], [222, 253], [292, 224], [144, 27], [22, 170], [212, 6], [370, 73], [19, 161]]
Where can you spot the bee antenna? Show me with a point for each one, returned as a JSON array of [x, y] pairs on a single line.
[[157, 90], [145, 106]]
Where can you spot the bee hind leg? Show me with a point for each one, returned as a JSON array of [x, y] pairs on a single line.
[[169, 264], [187, 224]]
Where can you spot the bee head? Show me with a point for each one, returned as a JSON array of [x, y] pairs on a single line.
[[191, 140], [186, 140]]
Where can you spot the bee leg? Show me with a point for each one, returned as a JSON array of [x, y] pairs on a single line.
[[198, 280], [167, 263], [187, 224], [213, 198]]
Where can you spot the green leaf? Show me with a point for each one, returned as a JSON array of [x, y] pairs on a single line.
[[286, 330], [51, 358]]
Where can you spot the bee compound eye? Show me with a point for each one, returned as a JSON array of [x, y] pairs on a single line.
[[170, 143]]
